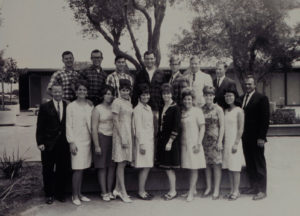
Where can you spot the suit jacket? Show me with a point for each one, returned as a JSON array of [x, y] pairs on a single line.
[[257, 116], [159, 77], [50, 130], [219, 95]]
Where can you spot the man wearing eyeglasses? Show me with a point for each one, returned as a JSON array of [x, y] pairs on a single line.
[[95, 77]]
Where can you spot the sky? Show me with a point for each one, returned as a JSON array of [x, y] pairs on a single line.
[[36, 32]]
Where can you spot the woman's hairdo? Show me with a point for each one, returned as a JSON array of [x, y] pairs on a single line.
[[143, 88], [187, 92], [81, 82], [124, 83], [209, 90], [166, 88]]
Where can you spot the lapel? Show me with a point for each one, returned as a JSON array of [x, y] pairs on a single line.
[[223, 84], [252, 99], [53, 110]]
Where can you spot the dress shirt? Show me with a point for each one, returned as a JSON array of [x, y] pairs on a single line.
[[248, 99], [60, 104]]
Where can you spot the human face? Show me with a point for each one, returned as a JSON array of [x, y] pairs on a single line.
[[194, 65], [209, 98], [187, 102], [108, 97], [149, 61], [81, 92], [174, 65], [220, 71], [250, 85], [124, 93], [68, 60], [97, 58], [229, 98], [144, 98], [57, 92], [166, 97], [120, 64]]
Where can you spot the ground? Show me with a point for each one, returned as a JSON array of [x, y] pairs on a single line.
[[283, 162]]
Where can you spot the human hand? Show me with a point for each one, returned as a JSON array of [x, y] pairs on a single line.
[[73, 149], [142, 149], [41, 147], [234, 148], [168, 146], [260, 142], [196, 149], [98, 150]]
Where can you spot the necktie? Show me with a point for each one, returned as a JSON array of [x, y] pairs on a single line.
[[245, 102], [218, 82], [58, 110]]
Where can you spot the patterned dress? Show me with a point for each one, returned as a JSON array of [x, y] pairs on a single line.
[[212, 130]]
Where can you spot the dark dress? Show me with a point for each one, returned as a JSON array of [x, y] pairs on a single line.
[[169, 124]]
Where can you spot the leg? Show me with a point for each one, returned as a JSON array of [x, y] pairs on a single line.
[[111, 177], [121, 181], [208, 180], [231, 181], [236, 183], [217, 179], [261, 170], [193, 182], [48, 173], [75, 183], [102, 179], [142, 180], [172, 181]]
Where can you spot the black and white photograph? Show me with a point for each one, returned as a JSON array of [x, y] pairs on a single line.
[[149, 107]]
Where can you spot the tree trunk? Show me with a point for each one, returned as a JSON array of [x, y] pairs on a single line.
[[2, 83], [10, 96]]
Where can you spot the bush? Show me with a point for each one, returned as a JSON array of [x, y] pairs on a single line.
[[283, 116]]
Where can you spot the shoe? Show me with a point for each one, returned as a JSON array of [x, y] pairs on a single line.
[[234, 197], [125, 199], [84, 199], [215, 197], [187, 193], [111, 196], [226, 196], [190, 198], [259, 196], [61, 199], [105, 197], [145, 196], [116, 193], [76, 201], [168, 196], [249, 191], [204, 195], [49, 200]]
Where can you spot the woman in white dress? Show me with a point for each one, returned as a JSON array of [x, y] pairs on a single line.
[[193, 128], [102, 127], [78, 133], [233, 152], [143, 153], [122, 136]]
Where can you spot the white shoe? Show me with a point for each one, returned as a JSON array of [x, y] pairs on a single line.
[[105, 197], [85, 199], [116, 193], [76, 201], [190, 198], [125, 199], [111, 196]]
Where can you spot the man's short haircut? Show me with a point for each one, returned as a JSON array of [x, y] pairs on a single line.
[[119, 57], [96, 51], [66, 53], [56, 84], [222, 63], [250, 76], [149, 52]]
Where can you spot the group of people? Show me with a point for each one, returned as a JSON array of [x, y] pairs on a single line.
[[182, 119]]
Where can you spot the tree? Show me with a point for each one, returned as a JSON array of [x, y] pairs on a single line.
[[114, 18], [253, 34]]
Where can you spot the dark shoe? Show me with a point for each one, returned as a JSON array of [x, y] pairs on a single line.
[[61, 199], [249, 191], [226, 196], [259, 196], [49, 200], [169, 197], [145, 196]]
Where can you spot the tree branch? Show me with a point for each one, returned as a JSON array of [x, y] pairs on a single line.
[[133, 40], [149, 22]]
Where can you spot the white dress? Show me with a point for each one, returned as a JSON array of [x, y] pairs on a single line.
[[232, 162], [190, 122], [78, 131], [143, 128]]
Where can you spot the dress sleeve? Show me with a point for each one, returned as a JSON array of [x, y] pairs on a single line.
[[70, 123], [115, 107], [138, 124]]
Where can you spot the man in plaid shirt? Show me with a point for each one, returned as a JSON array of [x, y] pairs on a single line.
[[120, 73], [66, 77], [95, 77]]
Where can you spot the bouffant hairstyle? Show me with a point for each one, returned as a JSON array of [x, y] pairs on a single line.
[[166, 88], [209, 90], [81, 82], [143, 88], [236, 96], [104, 90], [187, 92], [124, 84]]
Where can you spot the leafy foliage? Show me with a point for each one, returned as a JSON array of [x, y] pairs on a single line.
[[253, 34]]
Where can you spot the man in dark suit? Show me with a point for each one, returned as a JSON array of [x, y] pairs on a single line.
[[256, 108], [221, 83], [51, 141]]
